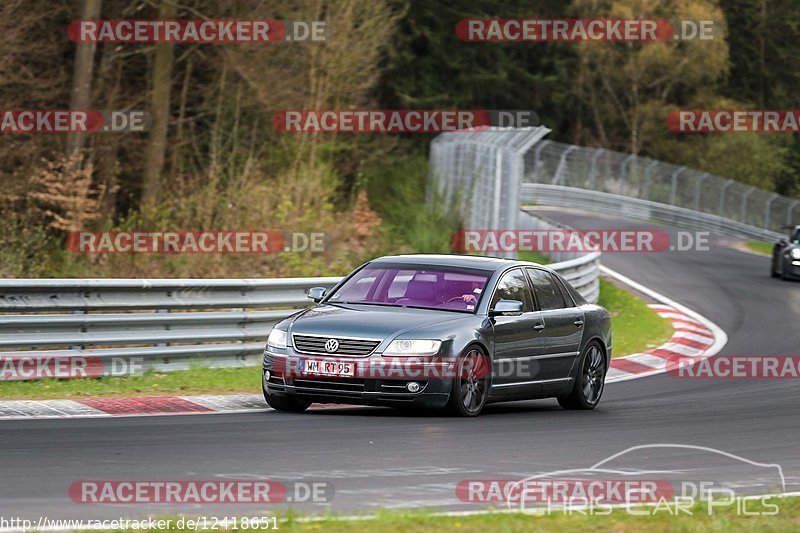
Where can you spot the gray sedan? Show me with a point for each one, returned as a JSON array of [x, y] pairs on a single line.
[[441, 331]]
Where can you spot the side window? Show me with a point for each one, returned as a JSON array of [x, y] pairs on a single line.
[[514, 286], [562, 285], [547, 292]]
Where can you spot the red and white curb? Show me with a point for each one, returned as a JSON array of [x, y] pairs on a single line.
[[691, 339], [695, 336], [117, 407], [144, 406]]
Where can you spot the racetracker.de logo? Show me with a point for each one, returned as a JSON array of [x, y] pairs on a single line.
[[26, 367], [736, 366], [612, 491], [150, 492], [401, 121], [64, 121], [195, 31], [579, 241], [176, 492], [378, 121], [564, 30], [733, 121], [193, 242]]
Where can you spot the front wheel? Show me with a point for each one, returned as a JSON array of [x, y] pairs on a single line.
[[773, 271], [588, 386], [470, 384], [284, 403]]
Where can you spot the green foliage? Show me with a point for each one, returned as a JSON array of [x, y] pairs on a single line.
[[397, 191], [430, 68], [635, 326], [196, 380], [25, 247], [760, 247]]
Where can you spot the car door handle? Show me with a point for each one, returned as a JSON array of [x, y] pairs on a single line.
[[538, 327], [578, 322]]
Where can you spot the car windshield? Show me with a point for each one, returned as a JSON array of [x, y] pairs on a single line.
[[427, 287]]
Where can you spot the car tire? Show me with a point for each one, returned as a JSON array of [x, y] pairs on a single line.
[[284, 403], [470, 383], [773, 270], [589, 385]]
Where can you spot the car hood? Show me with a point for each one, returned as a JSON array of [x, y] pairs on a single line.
[[376, 322]]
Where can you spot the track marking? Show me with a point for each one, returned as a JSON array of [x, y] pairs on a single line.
[[695, 336]]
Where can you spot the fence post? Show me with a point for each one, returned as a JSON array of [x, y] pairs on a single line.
[[498, 185], [647, 172], [624, 173], [593, 171], [768, 211], [790, 211], [743, 213], [562, 162], [537, 162], [674, 193], [700, 181], [728, 183]]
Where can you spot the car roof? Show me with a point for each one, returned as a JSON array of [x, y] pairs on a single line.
[[453, 260]]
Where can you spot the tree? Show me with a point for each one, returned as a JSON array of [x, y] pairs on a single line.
[[631, 86], [82, 79], [160, 112]]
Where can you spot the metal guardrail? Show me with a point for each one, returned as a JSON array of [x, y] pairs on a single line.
[[166, 324], [694, 194], [560, 196], [494, 168]]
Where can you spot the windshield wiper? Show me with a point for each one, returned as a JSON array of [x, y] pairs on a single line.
[[366, 303]]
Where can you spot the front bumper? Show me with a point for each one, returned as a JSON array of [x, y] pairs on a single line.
[[373, 384], [791, 268]]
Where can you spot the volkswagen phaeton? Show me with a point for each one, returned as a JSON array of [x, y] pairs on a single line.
[[441, 332]]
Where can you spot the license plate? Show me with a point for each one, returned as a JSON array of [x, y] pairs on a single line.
[[329, 368]]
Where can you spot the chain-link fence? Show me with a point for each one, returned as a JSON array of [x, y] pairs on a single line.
[[490, 174], [480, 172], [600, 170]]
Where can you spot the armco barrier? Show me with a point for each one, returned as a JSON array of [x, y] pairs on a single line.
[[169, 324], [615, 204]]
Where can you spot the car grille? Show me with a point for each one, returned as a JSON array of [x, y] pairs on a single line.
[[347, 347], [343, 386]]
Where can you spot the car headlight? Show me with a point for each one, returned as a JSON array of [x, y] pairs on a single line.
[[795, 253], [413, 347], [277, 338]]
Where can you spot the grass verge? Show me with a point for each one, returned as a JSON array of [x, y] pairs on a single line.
[[535, 257], [661, 519], [760, 247], [636, 328], [193, 381]]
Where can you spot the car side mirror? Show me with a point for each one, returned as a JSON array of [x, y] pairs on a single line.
[[317, 293], [506, 308]]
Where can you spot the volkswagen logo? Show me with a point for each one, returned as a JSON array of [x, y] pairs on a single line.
[[331, 345]]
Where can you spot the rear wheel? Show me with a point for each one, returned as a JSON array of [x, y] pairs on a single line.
[[470, 384], [285, 403], [588, 386]]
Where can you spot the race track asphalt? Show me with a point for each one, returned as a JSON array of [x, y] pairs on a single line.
[[381, 458]]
